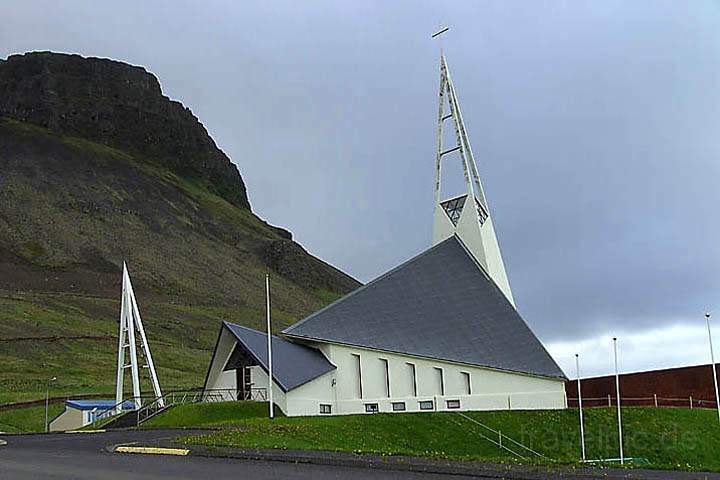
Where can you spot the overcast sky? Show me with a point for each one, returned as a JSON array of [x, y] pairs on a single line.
[[595, 126]]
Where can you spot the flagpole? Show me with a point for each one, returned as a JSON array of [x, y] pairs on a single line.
[[269, 346], [619, 415], [582, 426], [712, 360]]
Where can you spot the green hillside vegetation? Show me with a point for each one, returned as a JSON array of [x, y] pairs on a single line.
[[27, 419], [56, 326], [668, 438]]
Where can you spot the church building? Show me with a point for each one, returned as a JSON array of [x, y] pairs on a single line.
[[439, 332]]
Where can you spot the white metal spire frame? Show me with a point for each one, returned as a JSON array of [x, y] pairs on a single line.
[[130, 325], [462, 146], [473, 223]]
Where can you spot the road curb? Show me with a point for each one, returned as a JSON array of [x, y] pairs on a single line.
[[153, 450]]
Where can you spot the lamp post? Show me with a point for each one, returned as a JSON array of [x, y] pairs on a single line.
[[712, 360], [47, 402]]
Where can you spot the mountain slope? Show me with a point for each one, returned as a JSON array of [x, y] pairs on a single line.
[[97, 167]]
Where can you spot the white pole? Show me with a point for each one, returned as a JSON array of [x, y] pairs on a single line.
[[712, 360], [619, 415], [582, 426], [269, 346], [47, 400], [47, 403], [122, 334], [130, 325], [145, 345]]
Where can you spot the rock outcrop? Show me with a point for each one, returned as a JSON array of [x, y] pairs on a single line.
[[119, 105]]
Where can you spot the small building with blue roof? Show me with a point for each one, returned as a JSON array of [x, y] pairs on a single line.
[[79, 413]]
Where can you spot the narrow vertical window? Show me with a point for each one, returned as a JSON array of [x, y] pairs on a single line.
[[468, 384], [441, 380], [413, 378], [386, 366], [359, 375]]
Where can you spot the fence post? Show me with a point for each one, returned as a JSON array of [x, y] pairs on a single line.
[[500, 438], [655, 395], [690, 402], [509, 404], [609, 401]]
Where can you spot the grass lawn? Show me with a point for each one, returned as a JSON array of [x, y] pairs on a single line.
[[30, 419], [220, 414], [669, 438]]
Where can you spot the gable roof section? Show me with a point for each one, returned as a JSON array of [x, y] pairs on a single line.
[[439, 304], [293, 364]]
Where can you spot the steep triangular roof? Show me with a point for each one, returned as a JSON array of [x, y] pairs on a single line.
[[440, 304], [293, 364]]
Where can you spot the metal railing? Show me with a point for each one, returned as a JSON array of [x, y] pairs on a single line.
[[172, 399], [499, 439], [105, 415], [151, 406], [227, 394]]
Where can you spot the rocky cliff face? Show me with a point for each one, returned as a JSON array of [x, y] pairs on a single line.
[[119, 105]]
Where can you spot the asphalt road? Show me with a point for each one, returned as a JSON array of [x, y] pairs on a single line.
[[81, 456]]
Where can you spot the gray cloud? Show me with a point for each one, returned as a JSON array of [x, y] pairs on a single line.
[[595, 125]]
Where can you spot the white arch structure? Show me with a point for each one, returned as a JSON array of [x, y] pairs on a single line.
[[131, 326]]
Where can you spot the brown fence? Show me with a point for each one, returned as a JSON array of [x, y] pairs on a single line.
[[654, 401], [672, 387]]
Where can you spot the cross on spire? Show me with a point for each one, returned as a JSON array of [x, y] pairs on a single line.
[[438, 35]]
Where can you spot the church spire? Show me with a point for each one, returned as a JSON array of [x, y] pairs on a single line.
[[466, 215]]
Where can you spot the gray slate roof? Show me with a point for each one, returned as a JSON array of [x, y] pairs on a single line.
[[293, 364], [440, 304]]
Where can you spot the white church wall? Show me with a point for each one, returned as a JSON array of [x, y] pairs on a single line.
[[222, 385], [341, 388], [259, 379], [306, 399], [490, 389]]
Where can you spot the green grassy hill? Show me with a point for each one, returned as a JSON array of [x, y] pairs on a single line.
[[30, 419], [668, 438], [74, 338]]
